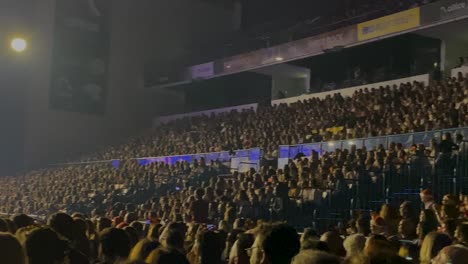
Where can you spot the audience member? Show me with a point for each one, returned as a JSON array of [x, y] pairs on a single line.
[[280, 245], [432, 244], [12, 251], [115, 245]]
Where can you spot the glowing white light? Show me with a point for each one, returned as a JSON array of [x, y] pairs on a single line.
[[352, 143], [278, 58], [19, 44], [331, 144]]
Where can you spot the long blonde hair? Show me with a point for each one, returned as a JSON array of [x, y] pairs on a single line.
[[142, 249], [432, 244]]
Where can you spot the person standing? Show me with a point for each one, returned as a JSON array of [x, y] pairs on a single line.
[[199, 207]]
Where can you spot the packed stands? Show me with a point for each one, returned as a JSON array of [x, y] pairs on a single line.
[[340, 190], [344, 203], [376, 111]]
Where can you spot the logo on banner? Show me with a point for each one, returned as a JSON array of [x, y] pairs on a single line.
[[448, 10], [328, 42], [201, 71], [389, 24]]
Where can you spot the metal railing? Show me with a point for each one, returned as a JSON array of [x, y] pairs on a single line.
[[407, 140], [393, 184]]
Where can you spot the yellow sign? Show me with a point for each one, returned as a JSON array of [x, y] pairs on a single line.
[[389, 24]]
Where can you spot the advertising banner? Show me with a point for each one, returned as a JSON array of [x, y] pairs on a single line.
[[242, 62], [157, 76], [295, 49], [202, 71], [389, 24], [443, 10], [316, 44], [80, 56]]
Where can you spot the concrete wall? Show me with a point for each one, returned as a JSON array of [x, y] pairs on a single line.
[[140, 30], [52, 135], [291, 86], [454, 48], [292, 80]]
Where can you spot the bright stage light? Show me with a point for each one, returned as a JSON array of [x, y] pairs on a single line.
[[19, 44]]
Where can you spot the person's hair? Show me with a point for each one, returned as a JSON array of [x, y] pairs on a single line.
[[199, 193], [385, 258], [3, 226], [224, 226], [390, 214], [308, 234], [452, 255], [451, 211], [22, 220], [432, 244], [429, 224], [43, 245], [334, 243], [142, 250], [166, 256], [12, 251], [462, 232], [379, 245], [138, 227], [316, 257], [11, 226], [153, 233], [62, 224], [357, 259], [409, 250], [174, 239], [132, 235], [314, 244], [114, 243], [239, 223], [362, 226], [80, 240], [354, 244], [408, 227], [450, 227], [281, 244], [210, 248], [103, 223]]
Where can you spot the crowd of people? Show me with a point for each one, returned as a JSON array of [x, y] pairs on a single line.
[[211, 225], [203, 213], [199, 213], [306, 183], [379, 111]]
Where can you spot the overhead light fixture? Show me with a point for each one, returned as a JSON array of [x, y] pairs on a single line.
[[331, 144], [18, 44], [279, 59]]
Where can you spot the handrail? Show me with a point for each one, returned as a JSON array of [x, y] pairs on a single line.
[[117, 161], [336, 142]]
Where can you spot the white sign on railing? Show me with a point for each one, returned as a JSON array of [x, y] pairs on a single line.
[[462, 69]]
